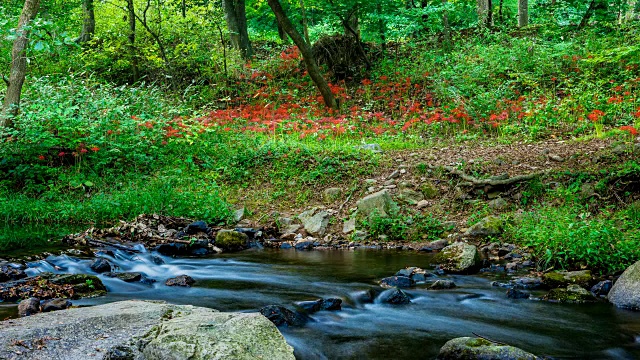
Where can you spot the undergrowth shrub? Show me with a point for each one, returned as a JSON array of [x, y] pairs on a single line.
[[403, 227], [572, 238]]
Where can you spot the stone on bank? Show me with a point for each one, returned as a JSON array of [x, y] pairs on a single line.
[[143, 330], [625, 292]]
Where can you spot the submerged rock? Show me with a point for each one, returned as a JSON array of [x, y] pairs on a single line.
[[101, 265], [468, 348], [181, 280], [397, 281], [442, 285], [280, 315], [625, 293], [144, 330], [126, 277], [331, 304], [394, 297], [517, 294], [459, 258]]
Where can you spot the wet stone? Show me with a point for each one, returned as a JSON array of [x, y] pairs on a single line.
[[182, 280], [517, 294], [101, 265], [397, 281]]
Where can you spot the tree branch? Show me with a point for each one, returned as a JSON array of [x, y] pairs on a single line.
[[493, 182]]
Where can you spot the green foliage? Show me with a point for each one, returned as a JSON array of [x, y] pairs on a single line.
[[571, 237], [403, 227]]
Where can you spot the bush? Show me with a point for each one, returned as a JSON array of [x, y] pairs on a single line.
[[570, 237]]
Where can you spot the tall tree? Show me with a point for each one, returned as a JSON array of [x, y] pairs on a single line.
[[235, 15], [131, 15], [484, 8], [523, 13], [307, 54], [88, 22], [445, 26], [18, 70]]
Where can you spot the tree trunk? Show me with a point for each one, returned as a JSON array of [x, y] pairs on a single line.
[[307, 54], [132, 39], [18, 70], [184, 9], [445, 26], [523, 13], [232, 22], [587, 15], [281, 34], [305, 23], [382, 27], [88, 22], [351, 24], [235, 16], [500, 11], [483, 8], [241, 17], [632, 9]]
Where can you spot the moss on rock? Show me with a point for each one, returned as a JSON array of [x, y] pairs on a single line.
[[467, 348], [231, 240], [557, 279]]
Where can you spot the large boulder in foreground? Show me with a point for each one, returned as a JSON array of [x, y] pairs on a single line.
[[625, 293], [143, 330], [459, 258], [468, 348]]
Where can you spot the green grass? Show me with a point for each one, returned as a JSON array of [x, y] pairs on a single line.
[[570, 237]]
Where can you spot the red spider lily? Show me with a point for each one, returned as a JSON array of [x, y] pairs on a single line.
[[95, 148], [630, 129], [61, 154], [83, 151], [595, 115], [41, 157]]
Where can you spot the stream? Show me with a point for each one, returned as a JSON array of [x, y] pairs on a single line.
[[248, 280]]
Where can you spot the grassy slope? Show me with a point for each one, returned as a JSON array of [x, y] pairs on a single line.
[[89, 152]]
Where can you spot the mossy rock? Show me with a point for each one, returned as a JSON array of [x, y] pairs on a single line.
[[559, 279], [459, 258], [230, 240], [468, 348], [379, 203], [331, 195], [488, 226], [429, 190], [572, 294]]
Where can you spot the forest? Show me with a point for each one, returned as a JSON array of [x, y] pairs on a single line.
[[287, 157]]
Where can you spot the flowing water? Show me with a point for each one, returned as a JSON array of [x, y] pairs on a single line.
[[248, 280]]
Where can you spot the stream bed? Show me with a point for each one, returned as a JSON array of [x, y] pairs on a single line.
[[251, 279]]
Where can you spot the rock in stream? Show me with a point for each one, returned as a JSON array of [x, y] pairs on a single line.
[[142, 330]]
